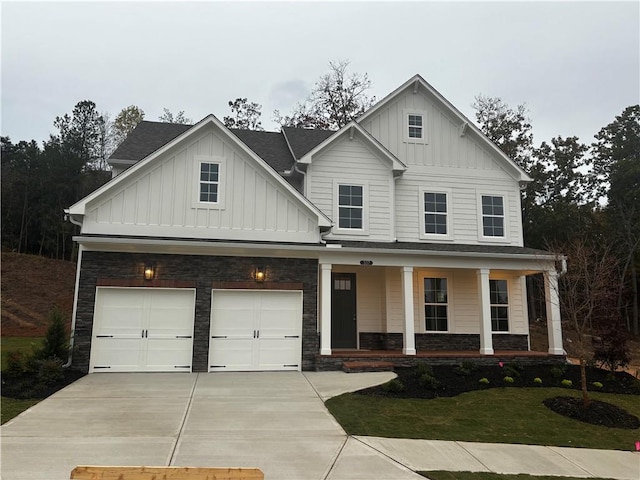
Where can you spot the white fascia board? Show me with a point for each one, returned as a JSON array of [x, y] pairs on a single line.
[[396, 164], [520, 174], [79, 207], [121, 162]]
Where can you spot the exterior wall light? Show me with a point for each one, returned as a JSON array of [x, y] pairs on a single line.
[[149, 271], [259, 275]]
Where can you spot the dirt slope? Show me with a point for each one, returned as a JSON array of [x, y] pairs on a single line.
[[31, 285]]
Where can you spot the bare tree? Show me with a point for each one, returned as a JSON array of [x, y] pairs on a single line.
[[336, 99], [588, 294], [168, 117], [244, 115]]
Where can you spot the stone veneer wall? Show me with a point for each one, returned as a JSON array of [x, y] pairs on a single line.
[[199, 272], [428, 342]]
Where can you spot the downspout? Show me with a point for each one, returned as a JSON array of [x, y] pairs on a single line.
[[75, 294]]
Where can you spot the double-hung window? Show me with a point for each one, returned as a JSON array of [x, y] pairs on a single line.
[[499, 299], [209, 182], [415, 126], [351, 207], [435, 213], [493, 216], [436, 304]]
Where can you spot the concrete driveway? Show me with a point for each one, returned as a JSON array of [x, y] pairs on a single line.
[[274, 421]]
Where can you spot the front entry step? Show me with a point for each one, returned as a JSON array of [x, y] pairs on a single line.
[[367, 366]]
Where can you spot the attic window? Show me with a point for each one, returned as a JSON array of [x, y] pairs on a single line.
[[209, 182], [415, 126]]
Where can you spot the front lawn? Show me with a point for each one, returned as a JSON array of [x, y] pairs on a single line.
[[439, 475], [11, 407], [497, 415]]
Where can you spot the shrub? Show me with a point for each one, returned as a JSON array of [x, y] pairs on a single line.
[[466, 368], [566, 383], [483, 381], [18, 363], [537, 381], [512, 370], [50, 371], [557, 371], [611, 351], [597, 385], [55, 343], [394, 386], [508, 379], [429, 382], [423, 369]]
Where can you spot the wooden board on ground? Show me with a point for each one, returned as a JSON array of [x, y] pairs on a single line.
[[84, 472]]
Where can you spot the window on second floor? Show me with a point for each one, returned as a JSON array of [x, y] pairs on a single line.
[[499, 305], [350, 207], [493, 224], [435, 213], [209, 182]]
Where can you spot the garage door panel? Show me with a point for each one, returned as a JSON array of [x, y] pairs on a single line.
[[255, 330], [143, 329], [231, 354]]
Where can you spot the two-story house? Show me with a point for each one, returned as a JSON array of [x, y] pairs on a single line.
[[398, 236]]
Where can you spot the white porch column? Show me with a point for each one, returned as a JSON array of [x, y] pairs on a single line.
[[409, 347], [325, 309], [554, 326], [486, 340]]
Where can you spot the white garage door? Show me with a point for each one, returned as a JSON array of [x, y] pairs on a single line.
[[255, 330], [142, 330]]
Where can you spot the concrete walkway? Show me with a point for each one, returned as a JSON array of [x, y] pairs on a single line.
[[274, 421]]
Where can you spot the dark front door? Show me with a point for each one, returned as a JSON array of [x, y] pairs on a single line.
[[343, 310]]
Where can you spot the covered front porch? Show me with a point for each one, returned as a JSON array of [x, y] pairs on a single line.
[[442, 308]]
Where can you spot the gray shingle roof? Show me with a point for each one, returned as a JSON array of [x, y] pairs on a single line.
[[303, 140], [442, 247], [272, 147], [146, 138]]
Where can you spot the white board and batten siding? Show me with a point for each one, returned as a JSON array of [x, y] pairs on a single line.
[[463, 164], [161, 199], [351, 162]]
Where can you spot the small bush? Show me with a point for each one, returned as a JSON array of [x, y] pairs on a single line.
[[55, 343], [508, 379], [423, 369], [466, 368], [597, 385], [557, 371], [566, 383], [537, 381], [512, 370], [429, 382], [483, 381], [50, 371], [611, 351], [394, 386], [18, 363]]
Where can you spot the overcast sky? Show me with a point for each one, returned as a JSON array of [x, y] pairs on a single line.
[[575, 65]]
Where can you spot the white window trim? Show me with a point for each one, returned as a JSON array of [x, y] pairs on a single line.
[[508, 305], [436, 236], [365, 209], [405, 125], [221, 161], [450, 302], [505, 207]]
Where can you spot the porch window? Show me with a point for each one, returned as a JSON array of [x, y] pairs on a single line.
[[435, 304], [350, 206], [492, 216], [435, 213], [499, 305], [209, 182]]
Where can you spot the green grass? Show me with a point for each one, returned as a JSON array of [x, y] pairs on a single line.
[[11, 344], [10, 407], [439, 475], [499, 415]]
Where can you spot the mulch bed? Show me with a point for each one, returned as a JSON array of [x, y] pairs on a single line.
[[28, 387], [451, 380]]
